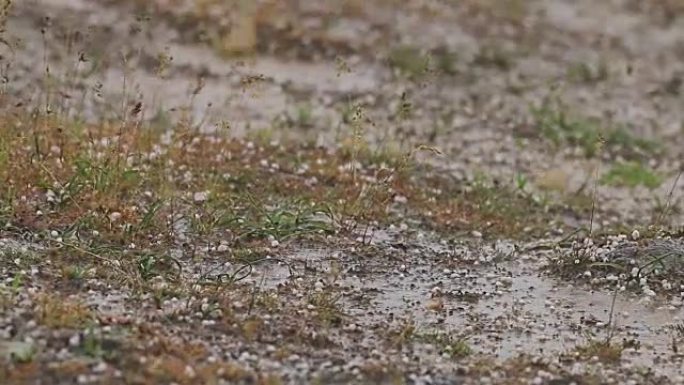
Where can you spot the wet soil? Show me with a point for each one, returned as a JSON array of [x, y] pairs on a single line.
[[378, 311]]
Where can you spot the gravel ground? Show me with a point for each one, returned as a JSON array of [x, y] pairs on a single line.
[[575, 105]]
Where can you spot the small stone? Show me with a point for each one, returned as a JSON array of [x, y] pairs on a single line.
[[75, 340], [400, 199], [100, 367], [200, 196], [189, 372], [635, 235]]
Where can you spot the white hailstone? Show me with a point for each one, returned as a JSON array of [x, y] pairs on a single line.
[[402, 268], [587, 273], [577, 261], [115, 216], [400, 199], [649, 292], [54, 234], [222, 248], [75, 340], [275, 243], [476, 234], [635, 235], [200, 196], [100, 367], [189, 372]]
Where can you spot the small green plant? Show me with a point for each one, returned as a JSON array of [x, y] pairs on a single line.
[[521, 181], [632, 174], [604, 351], [304, 116], [98, 345], [150, 265], [455, 346], [409, 61], [587, 73], [556, 124], [493, 56], [445, 61], [17, 282], [92, 345], [74, 272], [286, 220], [55, 312], [327, 305]]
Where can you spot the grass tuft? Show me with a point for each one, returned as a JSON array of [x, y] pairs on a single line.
[[632, 174]]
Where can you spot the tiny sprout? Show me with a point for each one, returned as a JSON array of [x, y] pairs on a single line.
[[342, 66]]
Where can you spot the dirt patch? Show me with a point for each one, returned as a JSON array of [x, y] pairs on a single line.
[[337, 192]]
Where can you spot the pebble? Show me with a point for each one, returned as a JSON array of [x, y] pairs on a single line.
[[200, 196], [75, 340], [101, 367]]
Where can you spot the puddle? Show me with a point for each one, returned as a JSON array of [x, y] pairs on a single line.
[[503, 310]]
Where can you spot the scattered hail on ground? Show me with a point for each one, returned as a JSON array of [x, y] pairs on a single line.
[[333, 192]]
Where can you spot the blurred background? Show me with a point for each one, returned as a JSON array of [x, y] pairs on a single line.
[[540, 88]]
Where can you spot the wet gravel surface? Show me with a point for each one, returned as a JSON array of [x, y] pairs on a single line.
[[408, 305]]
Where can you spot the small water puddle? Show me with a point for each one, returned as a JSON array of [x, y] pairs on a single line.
[[504, 310]]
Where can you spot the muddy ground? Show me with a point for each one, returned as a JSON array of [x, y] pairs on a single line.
[[570, 107]]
